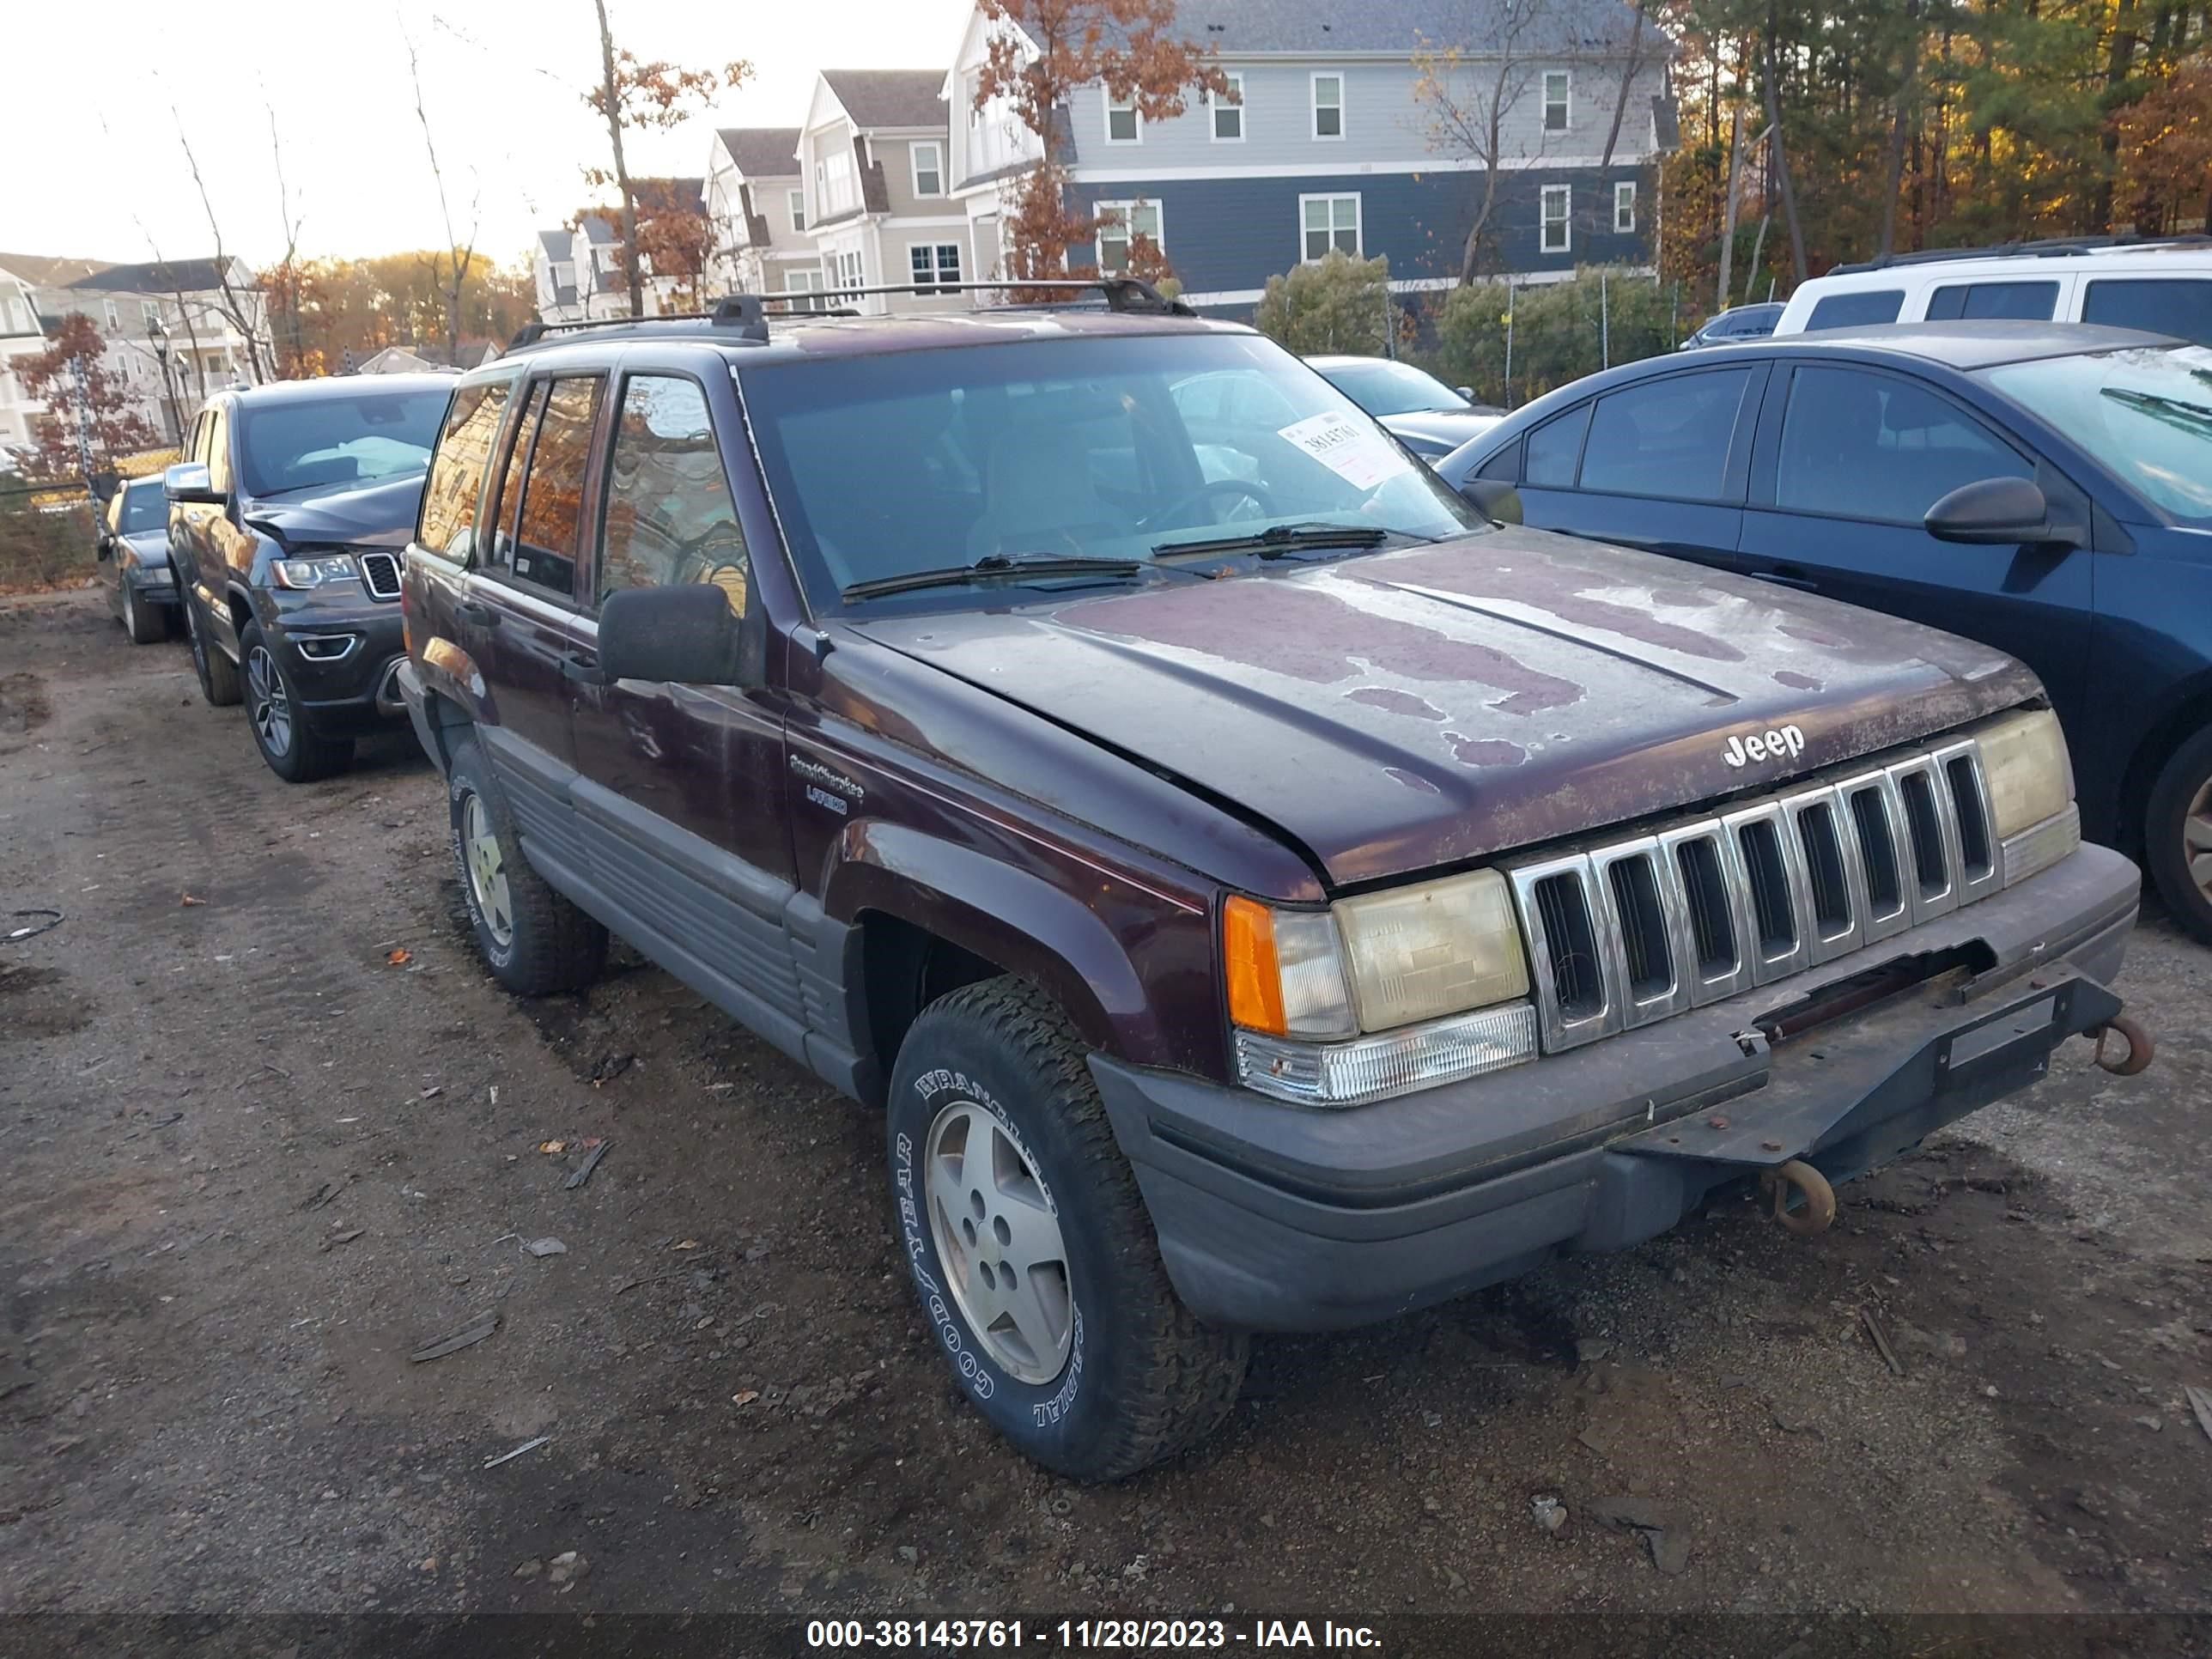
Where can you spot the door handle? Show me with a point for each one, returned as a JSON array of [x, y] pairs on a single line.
[[1788, 576], [473, 610], [584, 671]]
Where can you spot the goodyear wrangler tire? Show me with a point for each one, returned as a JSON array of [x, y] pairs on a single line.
[[1031, 1249]]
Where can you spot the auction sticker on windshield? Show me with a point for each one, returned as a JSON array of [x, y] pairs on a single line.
[[1348, 447]]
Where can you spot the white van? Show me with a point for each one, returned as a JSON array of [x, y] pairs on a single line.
[[2165, 286]]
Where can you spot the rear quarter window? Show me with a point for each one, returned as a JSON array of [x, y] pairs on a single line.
[[1863, 309], [2023, 302], [2177, 306], [450, 495]]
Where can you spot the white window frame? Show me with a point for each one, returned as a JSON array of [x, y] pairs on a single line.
[[1235, 78], [914, 165], [802, 279], [1359, 224], [1565, 101], [1313, 106], [1624, 206], [114, 316], [1566, 221], [936, 277], [1158, 233], [149, 312], [857, 276], [1136, 118], [796, 202]]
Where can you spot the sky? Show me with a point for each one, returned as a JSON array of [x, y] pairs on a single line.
[[96, 169]]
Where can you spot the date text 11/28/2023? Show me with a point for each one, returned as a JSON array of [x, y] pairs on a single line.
[[945, 1635]]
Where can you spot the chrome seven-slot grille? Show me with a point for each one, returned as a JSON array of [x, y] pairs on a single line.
[[1627, 932], [381, 571]]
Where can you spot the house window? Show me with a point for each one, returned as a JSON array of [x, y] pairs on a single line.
[[1329, 106], [1123, 125], [1329, 222], [848, 269], [798, 209], [934, 263], [149, 312], [1556, 235], [1555, 100], [1120, 221], [1623, 207], [114, 316], [928, 170], [804, 282], [836, 182], [1227, 112]]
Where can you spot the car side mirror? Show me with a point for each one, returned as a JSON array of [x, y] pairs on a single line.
[[689, 634], [1992, 511], [1495, 500], [1466, 391], [189, 481]]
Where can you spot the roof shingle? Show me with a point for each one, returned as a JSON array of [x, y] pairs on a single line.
[[889, 98], [762, 152]]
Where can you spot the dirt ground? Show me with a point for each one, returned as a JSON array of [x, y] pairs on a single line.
[[260, 1143]]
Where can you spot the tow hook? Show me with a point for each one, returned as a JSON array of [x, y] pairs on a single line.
[[2141, 1049], [1820, 1206]]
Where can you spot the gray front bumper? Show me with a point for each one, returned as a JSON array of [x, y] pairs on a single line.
[[1274, 1218]]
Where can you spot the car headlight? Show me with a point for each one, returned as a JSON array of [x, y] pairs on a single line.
[[2030, 781], [1379, 994], [315, 572]]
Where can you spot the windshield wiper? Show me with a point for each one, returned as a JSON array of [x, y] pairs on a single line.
[[1277, 541], [2178, 412], [993, 567]]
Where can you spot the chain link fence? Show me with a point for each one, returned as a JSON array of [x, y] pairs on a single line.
[[1513, 342]]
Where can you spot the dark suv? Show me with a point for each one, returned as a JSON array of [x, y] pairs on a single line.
[[287, 516], [1263, 894]]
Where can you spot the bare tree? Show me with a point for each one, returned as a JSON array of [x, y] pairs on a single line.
[[286, 270], [450, 268], [611, 105], [184, 307], [235, 312], [1631, 60]]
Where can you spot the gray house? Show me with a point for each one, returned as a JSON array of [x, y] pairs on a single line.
[[1324, 142]]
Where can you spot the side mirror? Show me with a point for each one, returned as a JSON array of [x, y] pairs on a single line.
[[687, 633], [1466, 391], [1991, 512], [1495, 500], [188, 480]]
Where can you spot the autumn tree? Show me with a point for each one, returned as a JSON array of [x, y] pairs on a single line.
[[450, 261], [675, 238], [1041, 51], [634, 95], [93, 418]]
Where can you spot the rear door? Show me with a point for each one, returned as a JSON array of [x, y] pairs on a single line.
[[518, 617], [1848, 462], [679, 794], [1659, 465]]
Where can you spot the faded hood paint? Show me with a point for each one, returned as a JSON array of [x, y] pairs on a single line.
[[1411, 710], [375, 515]]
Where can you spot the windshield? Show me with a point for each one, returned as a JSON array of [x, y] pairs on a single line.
[[2145, 413], [297, 444], [144, 507], [1114, 448], [1382, 387]]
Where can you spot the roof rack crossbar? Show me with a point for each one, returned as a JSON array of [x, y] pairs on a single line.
[[2044, 248]]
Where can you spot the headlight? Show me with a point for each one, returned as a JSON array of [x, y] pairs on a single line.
[[2031, 787], [314, 572], [1435, 972]]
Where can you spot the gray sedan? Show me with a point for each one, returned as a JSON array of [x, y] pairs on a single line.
[[1429, 417], [134, 560]]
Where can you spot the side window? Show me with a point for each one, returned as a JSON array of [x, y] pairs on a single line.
[[1866, 446], [1555, 446], [218, 448], [457, 470], [2182, 308], [1504, 467], [1668, 437], [549, 532], [498, 548], [2022, 302], [669, 516], [1859, 310]]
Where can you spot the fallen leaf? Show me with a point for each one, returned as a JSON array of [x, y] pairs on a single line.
[[395, 957], [746, 1398], [688, 1244], [434, 1092], [552, 1145], [190, 900]]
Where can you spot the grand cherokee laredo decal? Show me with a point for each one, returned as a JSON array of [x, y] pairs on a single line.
[[1770, 745], [828, 788]]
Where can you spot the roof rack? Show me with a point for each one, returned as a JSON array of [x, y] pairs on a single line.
[[747, 314], [2047, 247]]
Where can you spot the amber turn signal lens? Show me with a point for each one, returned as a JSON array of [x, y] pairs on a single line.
[[1255, 978]]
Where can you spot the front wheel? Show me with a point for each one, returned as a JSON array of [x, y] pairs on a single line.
[[295, 752], [218, 673], [145, 624], [1031, 1247], [2178, 834]]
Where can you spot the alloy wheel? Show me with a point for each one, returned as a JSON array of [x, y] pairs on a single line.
[[271, 705], [487, 869], [2197, 838], [999, 1241]]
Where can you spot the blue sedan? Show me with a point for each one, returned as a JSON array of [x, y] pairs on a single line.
[[2045, 489]]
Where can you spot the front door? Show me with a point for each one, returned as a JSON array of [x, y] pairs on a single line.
[[679, 791], [1844, 475]]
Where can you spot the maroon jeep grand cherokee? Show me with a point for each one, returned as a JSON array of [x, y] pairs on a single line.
[[1263, 893]]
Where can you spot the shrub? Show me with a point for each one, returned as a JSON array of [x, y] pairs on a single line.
[[1337, 304], [1561, 331]]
